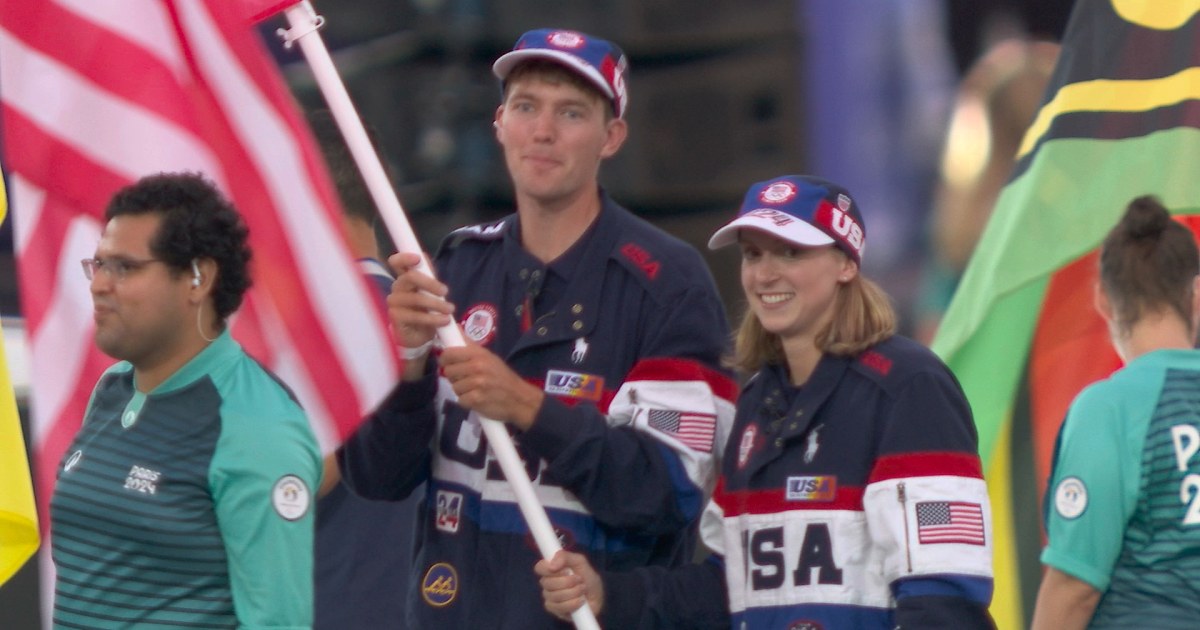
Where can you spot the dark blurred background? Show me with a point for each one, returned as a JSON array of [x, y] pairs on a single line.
[[723, 93]]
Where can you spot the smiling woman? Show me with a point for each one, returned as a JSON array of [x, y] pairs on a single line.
[[816, 232], [792, 291], [851, 494]]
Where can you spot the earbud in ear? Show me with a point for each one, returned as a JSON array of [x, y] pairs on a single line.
[[195, 274]]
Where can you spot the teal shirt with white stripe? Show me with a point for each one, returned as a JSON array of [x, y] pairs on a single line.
[[1123, 505], [190, 506]]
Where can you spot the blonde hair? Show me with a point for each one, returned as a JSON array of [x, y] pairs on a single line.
[[862, 317]]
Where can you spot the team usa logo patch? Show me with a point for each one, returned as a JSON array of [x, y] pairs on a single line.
[[777, 193], [747, 445], [290, 497], [821, 488], [842, 224], [1070, 498], [479, 324], [574, 385], [566, 39], [439, 587], [449, 511]]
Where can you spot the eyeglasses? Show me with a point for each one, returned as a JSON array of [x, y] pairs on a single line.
[[116, 268]]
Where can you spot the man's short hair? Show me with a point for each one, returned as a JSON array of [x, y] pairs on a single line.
[[556, 74], [197, 222]]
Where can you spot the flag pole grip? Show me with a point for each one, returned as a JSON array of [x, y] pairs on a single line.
[[304, 23]]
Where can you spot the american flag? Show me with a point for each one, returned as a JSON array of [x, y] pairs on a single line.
[[696, 430], [97, 93], [949, 522]]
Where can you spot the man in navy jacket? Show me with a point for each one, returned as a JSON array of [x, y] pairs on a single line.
[[594, 335]]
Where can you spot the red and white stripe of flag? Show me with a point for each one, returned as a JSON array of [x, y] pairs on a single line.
[[697, 430], [97, 93]]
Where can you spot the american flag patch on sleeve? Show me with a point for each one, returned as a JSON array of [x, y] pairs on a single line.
[[949, 522], [696, 430]]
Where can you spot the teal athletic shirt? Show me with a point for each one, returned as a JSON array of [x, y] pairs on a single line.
[[190, 506], [1123, 508]]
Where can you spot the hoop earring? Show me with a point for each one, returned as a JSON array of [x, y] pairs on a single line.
[[199, 328]]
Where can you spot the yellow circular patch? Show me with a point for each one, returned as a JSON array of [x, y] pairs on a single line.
[[439, 587]]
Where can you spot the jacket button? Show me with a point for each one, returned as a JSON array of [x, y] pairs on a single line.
[[542, 330], [578, 325], [779, 442], [524, 274], [577, 309]]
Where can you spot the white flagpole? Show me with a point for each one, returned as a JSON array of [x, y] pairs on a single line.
[[304, 24]]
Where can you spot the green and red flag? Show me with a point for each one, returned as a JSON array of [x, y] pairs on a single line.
[[1120, 119]]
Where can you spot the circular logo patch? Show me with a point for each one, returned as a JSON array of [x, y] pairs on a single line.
[[566, 39], [779, 192], [479, 324], [439, 587], [1070, 498], [290, 497]]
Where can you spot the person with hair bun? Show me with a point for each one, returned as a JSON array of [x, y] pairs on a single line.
[[851, 493], [1122, 509]]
